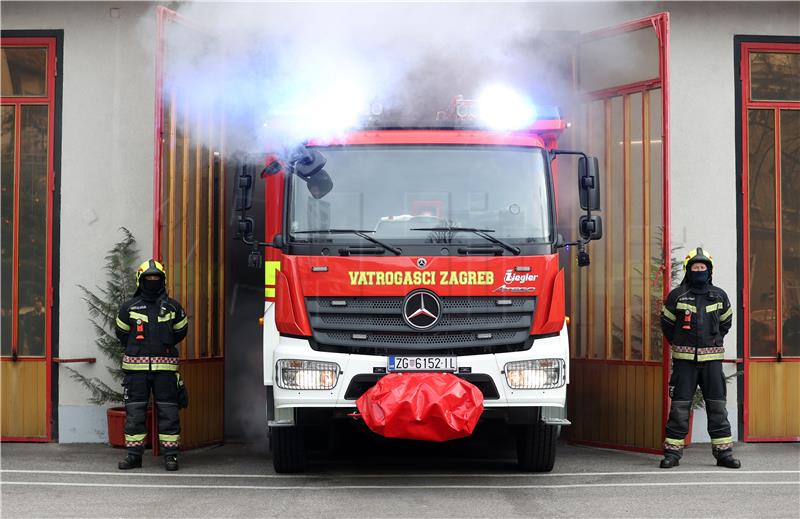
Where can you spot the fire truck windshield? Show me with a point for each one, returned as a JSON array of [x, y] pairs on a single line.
[[395, 189]]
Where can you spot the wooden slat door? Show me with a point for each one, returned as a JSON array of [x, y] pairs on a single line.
[[28, 118], [617, 393], [189, 232], [770, 162]]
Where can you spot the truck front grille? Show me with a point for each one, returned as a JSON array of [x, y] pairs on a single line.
[[374, 325]]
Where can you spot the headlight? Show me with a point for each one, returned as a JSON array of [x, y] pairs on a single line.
[[535, 374], [307, 374]]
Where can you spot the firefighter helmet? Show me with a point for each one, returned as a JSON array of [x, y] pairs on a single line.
[[698, 255], [150, 268]]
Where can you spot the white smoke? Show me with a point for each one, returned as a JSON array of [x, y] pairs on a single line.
[[311, 65]]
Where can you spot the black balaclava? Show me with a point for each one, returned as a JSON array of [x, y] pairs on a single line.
[[698, 278], [152, 289]]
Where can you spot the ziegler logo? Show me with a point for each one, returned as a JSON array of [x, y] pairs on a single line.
[[512, 277]]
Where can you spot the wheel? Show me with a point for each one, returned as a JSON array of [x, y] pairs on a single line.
[[288, 449], [536, 447]]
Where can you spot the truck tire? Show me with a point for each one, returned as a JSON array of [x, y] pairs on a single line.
[[536, 447], [288, 449]]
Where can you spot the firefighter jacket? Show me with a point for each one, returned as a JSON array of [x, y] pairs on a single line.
[[149, 330], [695, 320]]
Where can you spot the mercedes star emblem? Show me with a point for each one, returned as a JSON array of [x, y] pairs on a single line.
[[422, 309], [422, 263]]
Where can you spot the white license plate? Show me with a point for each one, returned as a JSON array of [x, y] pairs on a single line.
[[422, 363]]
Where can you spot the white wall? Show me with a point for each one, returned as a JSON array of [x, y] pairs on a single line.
[[702, 119], [106, 167]]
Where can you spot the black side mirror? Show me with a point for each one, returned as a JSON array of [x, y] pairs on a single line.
[[273, 167], [320, 184], [244, 227], [244, 190], [309, 163], [589, 183], [590, 227]]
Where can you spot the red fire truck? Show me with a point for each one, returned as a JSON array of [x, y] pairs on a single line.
[[420, 250]]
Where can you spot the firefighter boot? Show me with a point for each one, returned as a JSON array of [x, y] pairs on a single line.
[[669, 461], [171, 462], [131, 461], [728, 462]]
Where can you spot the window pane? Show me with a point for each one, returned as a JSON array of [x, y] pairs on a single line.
[[790, 210], [24, 72], [616, 234], [617, 60], [33, 226], [761, 193], [636, 228], [774, 76], [656, 226], [597, 249], [7, 229]]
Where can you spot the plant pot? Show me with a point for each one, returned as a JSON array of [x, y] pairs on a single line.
[[116, 426]]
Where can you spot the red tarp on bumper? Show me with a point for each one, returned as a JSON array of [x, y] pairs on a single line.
[[421, 406]]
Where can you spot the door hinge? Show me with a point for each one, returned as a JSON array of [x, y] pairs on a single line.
[[53, 182], [55, 69]]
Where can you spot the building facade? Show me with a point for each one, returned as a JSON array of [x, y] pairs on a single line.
[[692, 107]]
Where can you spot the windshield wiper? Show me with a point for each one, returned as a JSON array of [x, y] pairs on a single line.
[[483, 233], [357, 232]]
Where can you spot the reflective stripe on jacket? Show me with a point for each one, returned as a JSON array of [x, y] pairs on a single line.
[[695, 321], [150, 330]]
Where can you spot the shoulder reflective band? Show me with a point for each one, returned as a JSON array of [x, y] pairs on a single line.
[[122, 325], [727, 315], [684, 306], [181, 324], [714, 307], [271, 269], [168, 317], [137, 315], [666, 313]]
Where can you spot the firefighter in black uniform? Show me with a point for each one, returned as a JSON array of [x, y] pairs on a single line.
[[695, 318], [150, 325]]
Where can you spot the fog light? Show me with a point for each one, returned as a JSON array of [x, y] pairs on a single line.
[[535, 374], [307, 374]]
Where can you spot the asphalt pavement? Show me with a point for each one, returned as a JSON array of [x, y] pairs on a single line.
[[468, 478]]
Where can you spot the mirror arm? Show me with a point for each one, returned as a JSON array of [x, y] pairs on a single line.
[[554, 153]]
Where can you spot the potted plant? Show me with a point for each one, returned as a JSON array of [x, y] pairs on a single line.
[[103, 305]]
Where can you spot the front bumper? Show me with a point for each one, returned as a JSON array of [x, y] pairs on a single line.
[[353, 365]]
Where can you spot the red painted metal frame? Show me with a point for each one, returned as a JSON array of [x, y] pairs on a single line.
[[468, 137], [660, 24], [49, 100], [746, 48]]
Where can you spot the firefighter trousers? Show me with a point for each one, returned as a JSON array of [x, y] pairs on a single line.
[[137, 387], [686, 376]]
